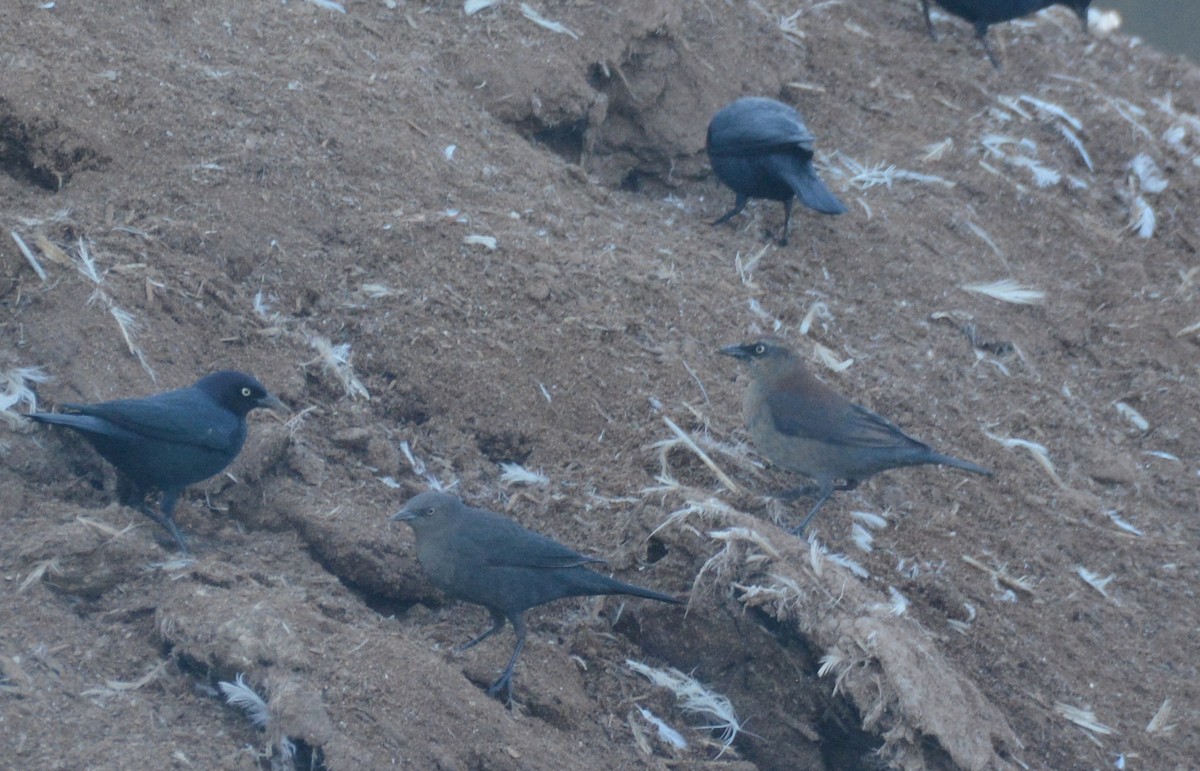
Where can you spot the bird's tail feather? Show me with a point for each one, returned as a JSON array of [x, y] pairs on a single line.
[[812, 193], [591, 582], [965, 465]]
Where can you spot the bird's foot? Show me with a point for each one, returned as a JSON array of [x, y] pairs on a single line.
[[502, 690]]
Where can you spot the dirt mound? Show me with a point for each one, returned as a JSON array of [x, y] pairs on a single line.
[[454, 242]]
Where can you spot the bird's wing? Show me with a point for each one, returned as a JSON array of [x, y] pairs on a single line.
[[831, 419], [182, 416], [762, 131], [504, 543]]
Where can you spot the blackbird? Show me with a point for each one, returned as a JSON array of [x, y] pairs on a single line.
[[169, 440], [984, 13], [802, 425], [760, 148], [481, 557]]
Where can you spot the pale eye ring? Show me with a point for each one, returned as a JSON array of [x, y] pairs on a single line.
[[760, 349], [246, 392]]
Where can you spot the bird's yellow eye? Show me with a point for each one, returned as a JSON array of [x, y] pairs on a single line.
[[246, 392], [760, 349]]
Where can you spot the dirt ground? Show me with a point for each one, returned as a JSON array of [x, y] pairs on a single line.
[[453, 241]]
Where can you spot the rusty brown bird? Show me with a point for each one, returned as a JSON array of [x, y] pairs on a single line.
[[802, 425]]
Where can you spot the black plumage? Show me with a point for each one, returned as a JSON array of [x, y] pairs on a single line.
[[984, 13], [169, 440], [481, 557], [760, 148]]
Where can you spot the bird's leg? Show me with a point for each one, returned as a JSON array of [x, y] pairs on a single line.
[[981, 33], [794, 493], [826, 490], [787, 221], [504, 683], [168, 524], [928, 20], [738, 205], [497, 624], [137, 500]]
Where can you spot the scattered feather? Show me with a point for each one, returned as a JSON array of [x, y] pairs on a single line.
[[745, 534], [1000, 575], [28, 254], [1095, 581], [1052, 109], [336, 360], [830, 359], [899, 603], [471, 7], [1132, 415], [487, 242], [935, 151], [328, 5], [118, 686], [690, 444], [239, 694], [529, 13], [962, 626], [818, 310], [1159, 723], [448, 152], [983, 236], [1150, 177], [694, 698], [862, 538], [1038, 451], [868, 519], [1084, 718], [666, 733], [516, 474], [1103, 22], [1007, 290], [1043, 176], [1121, 523], [849, 564], [1077, 143], [16, 389], [865, 178], [130, 327], [1142, 219]]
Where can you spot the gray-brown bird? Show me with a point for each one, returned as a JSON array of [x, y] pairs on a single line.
[[802, 425], [482, 557]]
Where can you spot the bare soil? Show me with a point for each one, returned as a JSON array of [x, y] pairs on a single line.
[[257, 182]]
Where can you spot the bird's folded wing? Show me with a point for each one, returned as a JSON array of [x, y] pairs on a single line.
[[170, 419], [768, 131], [533, 550], [841, 424]]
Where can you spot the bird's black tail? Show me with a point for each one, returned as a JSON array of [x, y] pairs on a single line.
[[812, 192], [965, 465], [589, 582]]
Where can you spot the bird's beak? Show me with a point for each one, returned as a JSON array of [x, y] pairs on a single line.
[[402, 516], [271, 402], [736, 351]]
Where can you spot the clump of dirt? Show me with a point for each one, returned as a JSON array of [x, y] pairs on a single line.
[[452, 242]]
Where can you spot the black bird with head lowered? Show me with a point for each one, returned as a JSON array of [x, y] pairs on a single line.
[[480, 557], [760, 148], [169, 440], [984, 13]]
